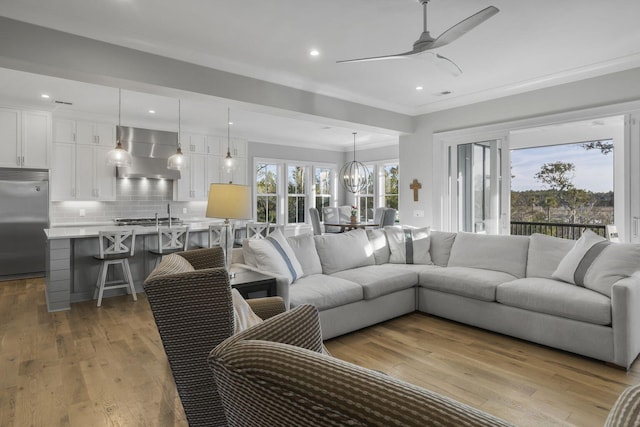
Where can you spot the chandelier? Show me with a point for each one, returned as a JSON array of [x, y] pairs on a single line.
[[354, 175]]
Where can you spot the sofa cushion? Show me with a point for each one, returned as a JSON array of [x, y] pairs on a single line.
[[417, 268], [343, 251], [304, 249], [490, 252], [573, 266], [275, 255], [440, 246], [545, 253], [324, 291], [171, 264], [408, 245], [467, 282], [556, 298], [380, 245], [378, 280]]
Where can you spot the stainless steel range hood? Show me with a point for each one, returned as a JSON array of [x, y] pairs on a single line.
[[150, 150]]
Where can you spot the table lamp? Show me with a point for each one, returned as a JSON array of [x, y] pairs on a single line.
[[228, 201]]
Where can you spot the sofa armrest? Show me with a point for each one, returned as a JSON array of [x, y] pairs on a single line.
[[267, 307], [625, 300], [282, 282], [204, 258]]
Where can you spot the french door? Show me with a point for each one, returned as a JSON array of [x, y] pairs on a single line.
[[477, 188]]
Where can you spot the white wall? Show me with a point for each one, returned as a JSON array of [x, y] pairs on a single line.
[[420, 159]]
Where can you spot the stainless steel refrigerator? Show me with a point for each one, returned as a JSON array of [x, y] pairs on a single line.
[[24, 214]]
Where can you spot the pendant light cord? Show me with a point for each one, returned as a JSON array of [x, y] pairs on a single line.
[[179, 119], [228, 131], [354, 145]]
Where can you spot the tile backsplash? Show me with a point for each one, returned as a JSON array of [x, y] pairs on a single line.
[[135, 198]]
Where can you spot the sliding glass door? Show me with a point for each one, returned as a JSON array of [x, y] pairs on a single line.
[[476, 200]]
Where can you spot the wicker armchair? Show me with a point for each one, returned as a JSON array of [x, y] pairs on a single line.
[[275, 374], [193, 311]]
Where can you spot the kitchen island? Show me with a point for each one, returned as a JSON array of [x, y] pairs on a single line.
[[72, 272]]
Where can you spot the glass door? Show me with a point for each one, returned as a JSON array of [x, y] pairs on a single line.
[[477, 203]]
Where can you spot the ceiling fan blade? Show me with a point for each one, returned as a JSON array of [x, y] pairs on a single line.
[[379, 58], [447, 65], [464, 26]]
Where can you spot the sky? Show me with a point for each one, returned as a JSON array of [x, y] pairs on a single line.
[[593, 170]]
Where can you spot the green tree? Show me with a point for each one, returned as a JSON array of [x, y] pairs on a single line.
[[557, 175]]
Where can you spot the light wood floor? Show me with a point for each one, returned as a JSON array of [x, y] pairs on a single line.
[[106, 367]]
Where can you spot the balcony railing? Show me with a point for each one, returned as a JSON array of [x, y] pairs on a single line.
[[565, 231]]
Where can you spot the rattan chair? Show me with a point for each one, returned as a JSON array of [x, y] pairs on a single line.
[[194, 313]]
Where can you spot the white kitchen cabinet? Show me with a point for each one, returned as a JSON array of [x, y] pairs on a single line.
[[35, 139], [9, 138], [236, 146], [95, 180], [24, 137], [193, 143], [213, 171], [64, 130], [79, 172], [91, 133], [84, 132], [63, 172], [192, 185], [213, 144]]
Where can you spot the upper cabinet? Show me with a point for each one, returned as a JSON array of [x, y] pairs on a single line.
[[79, 170], [193, 143], [84, 132], [236, 146], [25, 138]]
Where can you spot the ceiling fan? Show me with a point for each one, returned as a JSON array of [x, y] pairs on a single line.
[[426, 42]]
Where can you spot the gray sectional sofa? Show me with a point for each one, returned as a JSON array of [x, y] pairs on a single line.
[[504, 284]]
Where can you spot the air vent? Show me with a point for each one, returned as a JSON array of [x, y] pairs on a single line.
[[63, 102]]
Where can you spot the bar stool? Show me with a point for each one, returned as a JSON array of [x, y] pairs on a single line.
[[257, 230], [170, 240], [216, 234], [115, 248]]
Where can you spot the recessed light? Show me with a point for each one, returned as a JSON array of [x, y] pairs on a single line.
[[314, 52], [152, 111], [230, 123], [45, 96], [419, 88]]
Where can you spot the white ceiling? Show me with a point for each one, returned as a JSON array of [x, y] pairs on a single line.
[[529, 44]]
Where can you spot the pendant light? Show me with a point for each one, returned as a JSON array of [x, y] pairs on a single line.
[[229, 162], [354, 175], [177, 161], [119, 156]]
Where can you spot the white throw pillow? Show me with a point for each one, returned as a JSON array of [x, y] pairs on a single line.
[[574, 265], [408, 245], [274, 254], [617, 261], [243, 316], [380, 245], [304, 249], [343, 251]]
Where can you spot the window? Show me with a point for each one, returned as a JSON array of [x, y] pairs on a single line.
[[286, 190], [390, 176], [367, 196], [266, 192], [296, 194], [323, 187]]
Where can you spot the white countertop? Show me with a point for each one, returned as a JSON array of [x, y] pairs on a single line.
[[87, 230]]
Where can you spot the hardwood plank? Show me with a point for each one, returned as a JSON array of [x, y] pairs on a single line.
[[106, 366]]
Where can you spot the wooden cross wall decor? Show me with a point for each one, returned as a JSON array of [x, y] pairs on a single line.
[[415, 186]]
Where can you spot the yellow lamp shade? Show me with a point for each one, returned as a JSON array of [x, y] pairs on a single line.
[[229, 201]]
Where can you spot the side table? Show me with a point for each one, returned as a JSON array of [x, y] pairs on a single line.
[[252, 284]]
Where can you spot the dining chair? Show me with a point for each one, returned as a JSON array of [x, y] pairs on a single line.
[[314, 217], [257, 230]]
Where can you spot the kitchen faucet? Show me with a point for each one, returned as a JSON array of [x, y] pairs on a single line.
[[169, 213]]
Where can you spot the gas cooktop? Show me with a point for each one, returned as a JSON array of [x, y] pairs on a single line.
[[147, 221]]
